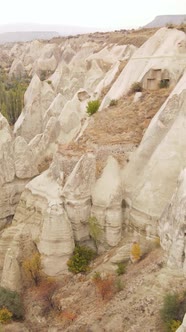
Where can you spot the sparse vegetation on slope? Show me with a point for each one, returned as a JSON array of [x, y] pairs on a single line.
[[11, 96], [93, 106], [173, 310], [80, 260], [12, 302]]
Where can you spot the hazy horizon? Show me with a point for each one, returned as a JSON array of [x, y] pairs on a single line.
[[101, 15]]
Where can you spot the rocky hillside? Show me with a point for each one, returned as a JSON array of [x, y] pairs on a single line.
[[123, 166]]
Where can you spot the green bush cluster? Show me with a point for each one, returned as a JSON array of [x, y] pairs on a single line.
[[80, 260], [12, 301], [93, 106], [173, 310], [12, 96], [121, 269], [136, 87]]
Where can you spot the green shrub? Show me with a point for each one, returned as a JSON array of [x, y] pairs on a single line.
[[121, 269], [173, 310], [5, 316], [12, 301], [136, 87], [113, 102], [12, 96], [169, 311], [80, 260], [119, 285], [92, 106]]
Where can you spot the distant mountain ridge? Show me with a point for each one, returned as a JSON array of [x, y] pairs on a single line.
[[27, 31], [162, 20], [23, 36]]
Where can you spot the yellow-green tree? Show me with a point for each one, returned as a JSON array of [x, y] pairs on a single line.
[[5, 315], [32, 268], [135, 251]]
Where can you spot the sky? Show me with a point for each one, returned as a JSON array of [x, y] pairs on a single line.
[[103, 14]]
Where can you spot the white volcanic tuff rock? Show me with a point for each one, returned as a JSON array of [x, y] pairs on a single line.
[[43, 64], [11, 275], [108, 78], [70, 118], [36, 56], [48, 59], [7, 171], [37, 99], [44, 145], [23, 159], [19, 246], [107, 202], [85, 70], [77, 195], [165, 50], [40, 211], [67, 53], [6, 238], [54, 109], [27, 52], [150, 177], [56, 240], [10, 186], [172, 226], [17, 69], [113, 53], [5, 134]]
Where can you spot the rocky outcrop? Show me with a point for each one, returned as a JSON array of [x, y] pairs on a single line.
[[77, 195], [150, 178], [11, 167], [56, 240], [172, 226], [17, 69], [107, 202], [41, 214], [37, 99]]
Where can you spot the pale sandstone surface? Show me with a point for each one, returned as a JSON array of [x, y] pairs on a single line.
[[37, 99], [172, 227], [77, 195], [107, 201]]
